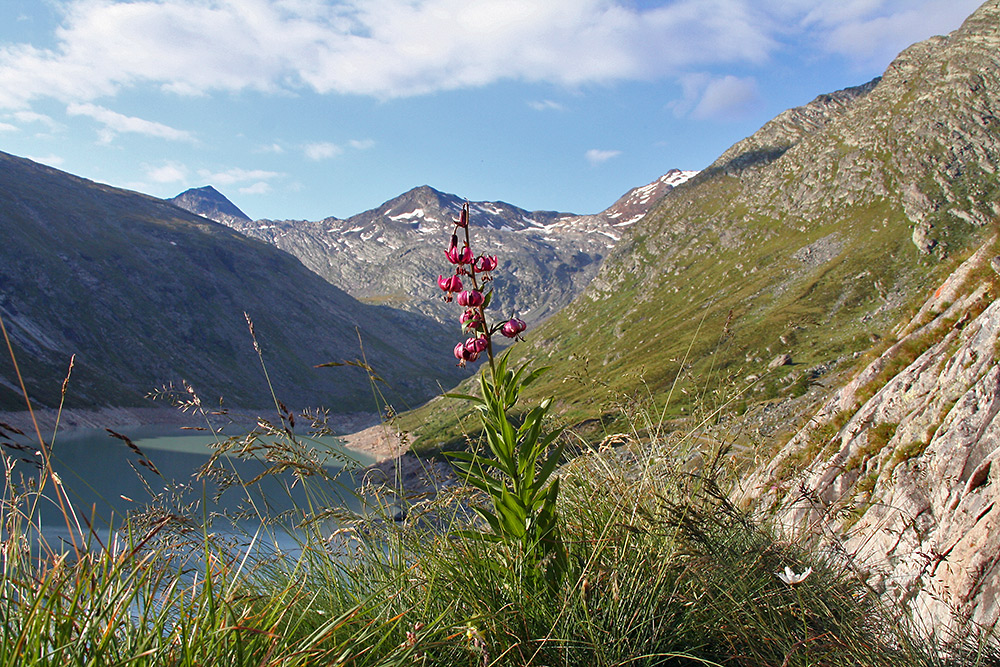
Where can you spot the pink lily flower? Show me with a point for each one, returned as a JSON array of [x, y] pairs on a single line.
[[471, 298], [456, 256], [513, 327], [471, 319], [485, 263]]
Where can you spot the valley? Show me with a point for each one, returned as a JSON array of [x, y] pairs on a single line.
[[814, 314]]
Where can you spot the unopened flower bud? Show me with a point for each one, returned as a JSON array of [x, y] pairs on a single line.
[[463, 218]]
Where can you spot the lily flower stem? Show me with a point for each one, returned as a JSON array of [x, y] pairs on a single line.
[[482, 315]]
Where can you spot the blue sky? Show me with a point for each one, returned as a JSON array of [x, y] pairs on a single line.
[[304, 109]]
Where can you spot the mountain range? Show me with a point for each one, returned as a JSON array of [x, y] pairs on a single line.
[[808, 239], [146, 294], [391, 255]]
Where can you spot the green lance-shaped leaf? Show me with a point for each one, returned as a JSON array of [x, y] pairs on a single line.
[[494, 521], [513, 514], [472, 471], [549, 466], [466, 397], [502, 448]]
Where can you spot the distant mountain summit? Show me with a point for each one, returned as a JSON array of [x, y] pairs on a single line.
[[424, 206], [209, 203], [392, 254], [635, 203]]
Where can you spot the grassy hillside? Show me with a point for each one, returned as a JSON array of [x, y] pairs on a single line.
[[809, 238]]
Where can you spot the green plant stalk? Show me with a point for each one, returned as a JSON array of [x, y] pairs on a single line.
[[518, 475]]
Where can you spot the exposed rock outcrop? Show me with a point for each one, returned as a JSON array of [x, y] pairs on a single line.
[[900, 462]]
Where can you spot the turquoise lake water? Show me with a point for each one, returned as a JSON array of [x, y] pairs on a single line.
[[106, 479]]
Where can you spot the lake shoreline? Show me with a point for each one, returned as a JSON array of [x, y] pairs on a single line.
[[362, 431]]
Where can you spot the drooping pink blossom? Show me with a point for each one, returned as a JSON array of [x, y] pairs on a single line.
[[471, 298], [485, 263], [456, 255], [513, 327], [476, 345], [450, 284], [463, 352], [471, 319]]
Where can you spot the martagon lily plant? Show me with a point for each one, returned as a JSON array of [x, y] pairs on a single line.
[[517, 472]]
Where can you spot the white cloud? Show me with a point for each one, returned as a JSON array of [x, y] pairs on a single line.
[[258, 188], [393, 48], [51, 160], [170, 172], [115, 123], [546, 105], [721, 98], [596, 156], [32, 117], [387, 48], [237, 175], [322, 150], [7, 127], [361, 144], [876, 30], [727, 98]]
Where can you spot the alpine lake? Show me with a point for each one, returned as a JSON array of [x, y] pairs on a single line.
[[161, 470]]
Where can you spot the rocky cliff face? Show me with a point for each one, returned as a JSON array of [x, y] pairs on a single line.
[[391, 255], [898, 464]]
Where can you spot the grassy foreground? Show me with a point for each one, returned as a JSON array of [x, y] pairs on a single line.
[[662, 570]]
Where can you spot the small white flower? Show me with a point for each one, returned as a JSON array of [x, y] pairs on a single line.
[[790, 578]]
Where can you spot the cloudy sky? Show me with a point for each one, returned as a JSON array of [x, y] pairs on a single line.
[[311, 108]]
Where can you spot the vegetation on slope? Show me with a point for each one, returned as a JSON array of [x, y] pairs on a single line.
[[662, 570], [810, 238]]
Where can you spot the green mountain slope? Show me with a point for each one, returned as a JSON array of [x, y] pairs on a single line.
[[145, 293], [808, 239]]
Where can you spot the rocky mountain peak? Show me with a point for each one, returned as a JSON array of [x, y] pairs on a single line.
[[789, 128], [209, 203], [392, 253], [982, 23], [636, 202]]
